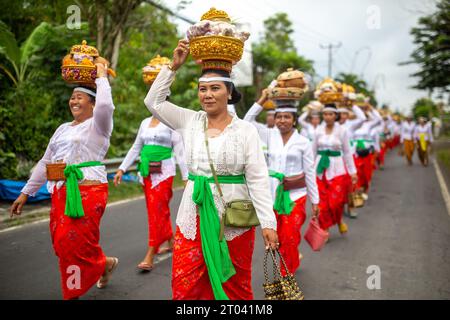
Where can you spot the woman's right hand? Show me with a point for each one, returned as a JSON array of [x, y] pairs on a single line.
[[118, 177], [17, 205], [180, 54], [264, 97]]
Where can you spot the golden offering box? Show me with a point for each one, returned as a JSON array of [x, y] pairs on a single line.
[[292, 78], [291, 93], [149, 76], [78, 67]]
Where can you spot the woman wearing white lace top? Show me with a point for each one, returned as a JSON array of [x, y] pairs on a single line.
[[158, 147], [291, 165], [310, 120], [211, 266], [364, 142], [351, 125], [333, 160], [424, 138], [80, 193]]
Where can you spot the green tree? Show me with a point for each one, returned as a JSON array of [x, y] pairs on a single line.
[[432, 53], [278, 30], [425, 107], [19, 56], [273, 54], [30, 112]]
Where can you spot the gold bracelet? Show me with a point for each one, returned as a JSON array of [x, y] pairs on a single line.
[[171, 67]]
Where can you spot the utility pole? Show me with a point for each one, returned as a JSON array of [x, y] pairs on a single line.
[[330, 48]]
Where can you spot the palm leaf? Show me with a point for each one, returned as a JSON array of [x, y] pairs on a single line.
[[35, 41], [9, 47]]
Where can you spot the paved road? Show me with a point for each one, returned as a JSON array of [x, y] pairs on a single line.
[[404, 229]]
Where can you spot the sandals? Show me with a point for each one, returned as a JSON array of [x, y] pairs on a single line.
[[144, 266], [103, 281]]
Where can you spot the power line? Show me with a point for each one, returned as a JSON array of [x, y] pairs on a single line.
[[330, 48], [169, 11]]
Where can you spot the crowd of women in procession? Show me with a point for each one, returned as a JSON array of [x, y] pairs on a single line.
[[270, 170]]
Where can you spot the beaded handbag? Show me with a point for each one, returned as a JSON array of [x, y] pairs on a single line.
[[282, 287]]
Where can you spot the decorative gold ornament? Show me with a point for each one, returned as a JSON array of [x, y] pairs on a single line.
[[216, 15], [217, 52], [290, 93], [329, 91], [152, 69], [292, 78]]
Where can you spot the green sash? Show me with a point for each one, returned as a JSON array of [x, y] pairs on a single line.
[[215, 251], [72, 172], [152, 153], [361, 143], [324, 162], [283, 203]]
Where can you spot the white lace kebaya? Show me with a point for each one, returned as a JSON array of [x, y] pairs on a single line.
[[337, 140], [237, 150], [294, 158], [73, 144], [160, 135]]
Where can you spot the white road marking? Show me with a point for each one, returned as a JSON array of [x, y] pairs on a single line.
[[443, 185]]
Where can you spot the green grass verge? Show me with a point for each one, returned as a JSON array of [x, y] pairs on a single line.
[[444, 157]]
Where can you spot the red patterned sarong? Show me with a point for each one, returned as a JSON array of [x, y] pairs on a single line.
[[381, 155], [158, 211], [364, 166], [190, 280], [76, 241], [332, 195], [289, 235]]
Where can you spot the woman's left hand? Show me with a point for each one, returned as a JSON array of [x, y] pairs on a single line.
[[354, 178], [315, 210], [270, 237]]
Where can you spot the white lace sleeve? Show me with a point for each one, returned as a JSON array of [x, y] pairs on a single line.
[[348, 156], [251, 115], [104, 107], [310, 173], [134, 151], [180, 155], [39, 175], [168, 113], [256, 174]]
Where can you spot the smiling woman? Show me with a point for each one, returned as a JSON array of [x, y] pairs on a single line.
[[226, 162], [77, 181], [82, 104]]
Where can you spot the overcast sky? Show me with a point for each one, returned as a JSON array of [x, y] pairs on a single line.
[[381, 25]]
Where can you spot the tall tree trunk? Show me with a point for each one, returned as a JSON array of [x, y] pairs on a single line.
[[100, 25], [116, 48]]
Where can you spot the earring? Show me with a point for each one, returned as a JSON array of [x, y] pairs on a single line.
[[229, 97]]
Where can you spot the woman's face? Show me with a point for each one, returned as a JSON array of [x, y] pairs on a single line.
[[213, 95], [284, 121], [315, 120], [329, 117], [270, 120], [81, 106], [344, 117]]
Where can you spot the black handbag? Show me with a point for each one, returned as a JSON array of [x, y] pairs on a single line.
[[362, 153]]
